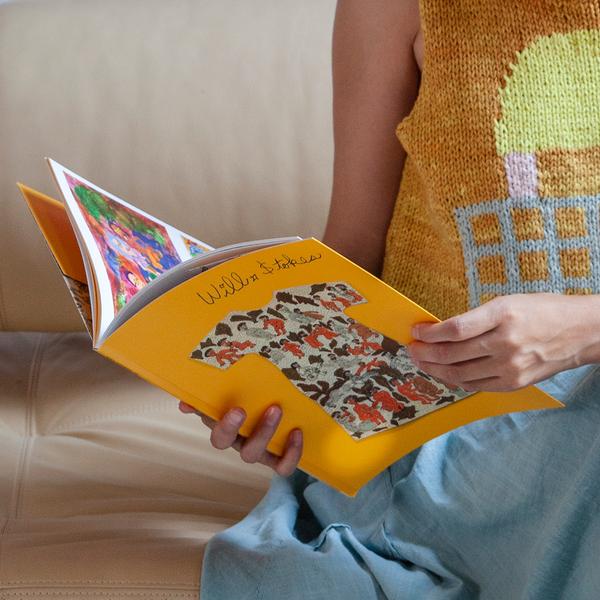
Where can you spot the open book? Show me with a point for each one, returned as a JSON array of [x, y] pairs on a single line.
[[285, 320]]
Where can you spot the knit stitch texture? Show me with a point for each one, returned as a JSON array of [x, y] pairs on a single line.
[[501, 186]]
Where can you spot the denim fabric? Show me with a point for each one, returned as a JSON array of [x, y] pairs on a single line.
[[505, 508]]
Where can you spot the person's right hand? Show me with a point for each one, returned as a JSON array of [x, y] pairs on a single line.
[[253, 449]]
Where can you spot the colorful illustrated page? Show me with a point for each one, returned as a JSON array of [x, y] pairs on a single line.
[[134, 248], [194, 248], [81, 296], [364, 380]]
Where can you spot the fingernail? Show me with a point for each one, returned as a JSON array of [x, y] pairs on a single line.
[[415, 332], [296, 437], [273, 414], [236, 416]]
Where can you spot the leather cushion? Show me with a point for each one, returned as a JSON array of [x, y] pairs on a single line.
[[106, 489], [213, 115]]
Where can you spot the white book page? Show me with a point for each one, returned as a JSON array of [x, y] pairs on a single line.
[[128, 248], [185, 271]]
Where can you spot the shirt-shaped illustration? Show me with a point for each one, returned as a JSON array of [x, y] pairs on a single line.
[[363, 379]]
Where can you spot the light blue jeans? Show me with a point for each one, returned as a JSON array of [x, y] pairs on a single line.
[[507, 508]]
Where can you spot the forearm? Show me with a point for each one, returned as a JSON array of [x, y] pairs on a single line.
[[586, 328], [375, 83]]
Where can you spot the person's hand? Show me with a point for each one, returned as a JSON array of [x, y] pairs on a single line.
[[254, 448], [510, 342]]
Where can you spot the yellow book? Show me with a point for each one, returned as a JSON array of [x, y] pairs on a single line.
[[286, 321]]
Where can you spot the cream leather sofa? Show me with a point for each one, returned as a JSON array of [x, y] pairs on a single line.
[[215, 116]]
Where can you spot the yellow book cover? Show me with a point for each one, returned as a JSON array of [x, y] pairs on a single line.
[[286, 321]]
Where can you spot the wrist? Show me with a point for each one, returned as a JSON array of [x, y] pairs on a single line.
[[588, 329]]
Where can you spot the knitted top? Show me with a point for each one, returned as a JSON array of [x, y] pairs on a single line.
[[501, 186]]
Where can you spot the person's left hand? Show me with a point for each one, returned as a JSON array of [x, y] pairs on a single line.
[[510, 342]]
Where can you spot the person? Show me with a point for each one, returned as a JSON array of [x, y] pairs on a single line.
[[496, 230]]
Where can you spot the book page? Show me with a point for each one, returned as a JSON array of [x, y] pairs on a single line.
[[185, 271], [128, 248], [80, 292], [363, 379], [301, 326], [51, 217]]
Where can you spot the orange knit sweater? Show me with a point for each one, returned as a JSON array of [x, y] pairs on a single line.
[[501, 187]]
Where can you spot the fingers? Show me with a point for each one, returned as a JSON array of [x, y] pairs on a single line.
[[465, 372], [253, 449], [287, 464], [225, 432], [208, 421], [186, 408], [461, 327], [489, 384], [255, 446], [447, 353]]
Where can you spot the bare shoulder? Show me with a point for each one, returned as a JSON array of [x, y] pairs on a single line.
[[397, 22], [414, 30], [418, 48], [405, 15]]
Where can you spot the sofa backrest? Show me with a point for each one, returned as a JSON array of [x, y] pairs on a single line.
[[214, 115]]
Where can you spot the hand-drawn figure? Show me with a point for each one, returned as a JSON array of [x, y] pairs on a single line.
[[134, 248], [81, 295], [364, 380]]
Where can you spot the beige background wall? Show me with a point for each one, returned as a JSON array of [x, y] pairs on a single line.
[[217, 121]]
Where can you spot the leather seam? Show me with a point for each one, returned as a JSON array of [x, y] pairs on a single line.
[[77, 582], [3, 317], [64, 428], [32, 387], [13, 507], [107, 592]]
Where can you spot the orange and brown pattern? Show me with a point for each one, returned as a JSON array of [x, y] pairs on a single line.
[[81, 296], [363, 379]]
